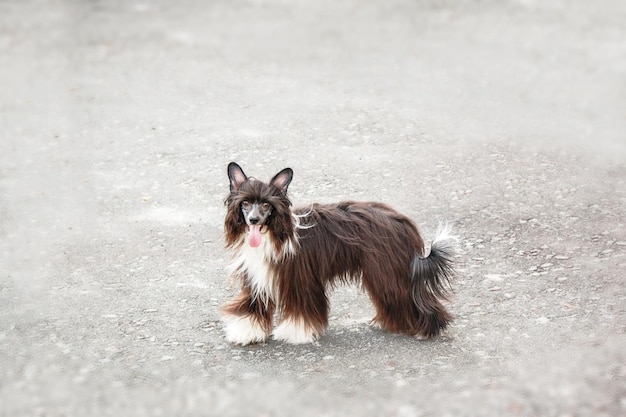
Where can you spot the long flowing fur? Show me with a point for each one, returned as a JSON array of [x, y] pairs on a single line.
[[306, 251]]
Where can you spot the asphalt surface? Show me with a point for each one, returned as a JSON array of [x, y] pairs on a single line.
[[118, 118]]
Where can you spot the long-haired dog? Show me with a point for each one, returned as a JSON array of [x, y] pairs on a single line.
[[286, 259]]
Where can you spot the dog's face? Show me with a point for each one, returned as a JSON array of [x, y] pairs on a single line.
[[256, 198], [253, 204], [256, 212]]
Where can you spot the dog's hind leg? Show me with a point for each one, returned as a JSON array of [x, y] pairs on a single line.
[[391, 300], [247, 320], [389, 287]]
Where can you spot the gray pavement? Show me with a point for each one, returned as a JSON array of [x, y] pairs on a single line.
[[117, 121]]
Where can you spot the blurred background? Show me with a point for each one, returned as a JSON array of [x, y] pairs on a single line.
[[117, 121]]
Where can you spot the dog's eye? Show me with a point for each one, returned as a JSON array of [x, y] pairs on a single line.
[[267, 206], [245, 205]]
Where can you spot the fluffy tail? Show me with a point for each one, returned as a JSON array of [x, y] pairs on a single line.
[[431, 277]]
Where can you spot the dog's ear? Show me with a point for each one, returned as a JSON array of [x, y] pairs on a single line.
[[236, 176], [282, 180]]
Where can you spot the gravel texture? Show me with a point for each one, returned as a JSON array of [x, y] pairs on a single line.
[[118, 118]]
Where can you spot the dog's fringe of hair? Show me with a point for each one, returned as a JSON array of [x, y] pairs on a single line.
[[298, 217]]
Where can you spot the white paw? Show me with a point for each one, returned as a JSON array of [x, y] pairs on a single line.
[[243, 330], [295, 332], [375, 324]]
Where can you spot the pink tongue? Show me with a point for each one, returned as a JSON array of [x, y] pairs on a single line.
[[254, 237]]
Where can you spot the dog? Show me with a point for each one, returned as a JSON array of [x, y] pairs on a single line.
[[286, 260]]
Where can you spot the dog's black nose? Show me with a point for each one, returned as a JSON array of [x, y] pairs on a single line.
[[254, 220]]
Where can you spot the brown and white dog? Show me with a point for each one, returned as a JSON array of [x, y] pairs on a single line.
[[285, 260]]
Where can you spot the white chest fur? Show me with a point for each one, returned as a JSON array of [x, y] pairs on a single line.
[[254, 264]]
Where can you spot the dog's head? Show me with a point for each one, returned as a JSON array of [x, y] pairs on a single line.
[[254, 206]]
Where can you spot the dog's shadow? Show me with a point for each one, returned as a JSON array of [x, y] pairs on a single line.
[[352, 344]]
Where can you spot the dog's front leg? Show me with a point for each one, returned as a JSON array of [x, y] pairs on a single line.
[[247, 319], [295, 330], [303, 318]]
